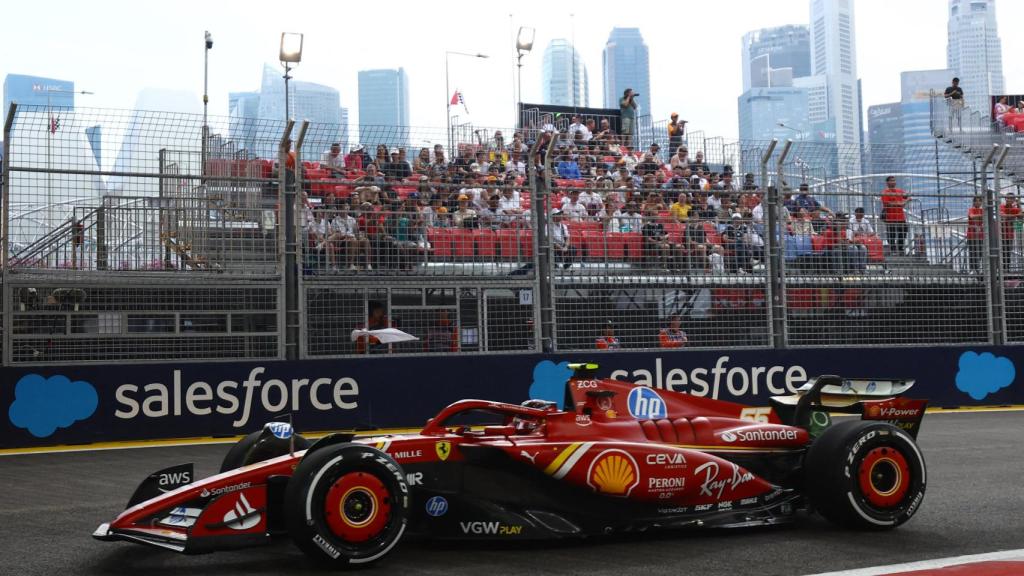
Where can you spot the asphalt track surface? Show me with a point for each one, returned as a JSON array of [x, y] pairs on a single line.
[[51, 503]]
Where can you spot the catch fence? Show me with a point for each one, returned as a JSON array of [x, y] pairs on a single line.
[[158, 243]]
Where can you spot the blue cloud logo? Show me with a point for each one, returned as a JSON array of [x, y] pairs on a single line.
[[549, 380], [984, 374], [41, 405]]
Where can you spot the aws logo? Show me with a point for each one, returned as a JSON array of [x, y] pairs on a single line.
[[42, 405], [614, 472]]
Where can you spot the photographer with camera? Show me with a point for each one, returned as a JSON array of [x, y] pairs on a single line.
[[627, 116]]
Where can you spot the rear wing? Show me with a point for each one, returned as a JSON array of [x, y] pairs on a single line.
[[872, 399]]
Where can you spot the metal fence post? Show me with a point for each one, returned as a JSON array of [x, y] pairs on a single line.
[[285, 230], [992, 234], [998, 312], [5, 186], [293, 255], [781, 337], [775, 289], [542, 245]]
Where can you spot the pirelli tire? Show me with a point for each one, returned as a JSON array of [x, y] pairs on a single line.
[[865, 475], [347, 505], [257, 447]]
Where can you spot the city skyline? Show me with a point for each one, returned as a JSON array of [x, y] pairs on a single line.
[[489, 86], [564, 76]]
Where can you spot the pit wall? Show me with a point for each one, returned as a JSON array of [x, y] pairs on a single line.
[[101, 403]]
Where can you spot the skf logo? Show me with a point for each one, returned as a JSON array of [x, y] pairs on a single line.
[[443, 448], [613, 472]]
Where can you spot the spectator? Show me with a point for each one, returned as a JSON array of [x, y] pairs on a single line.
[[842, 255], [954, 95], [626, 219], [859, 225], [422, 164], [1009, 215], [976, 234], [510, 206], [333, 160], [737, 244], [354, 159], [681, 158], [676, 131], [443, 334], [608, 340], [377, 320], [1000, 109], [816, 210], [578, 127], [573, 209], [316, 224], [627, 115], [381, 158], [698, 162], [568, 168], [658, 247], [404, 167], [895, 217], [345, 236], [464, 217], [801, 224], [561, 242], [490, 215], [716, 260], [681, 207], [673, 336]]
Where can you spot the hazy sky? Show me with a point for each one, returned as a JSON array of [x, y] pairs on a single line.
[[117, 48]]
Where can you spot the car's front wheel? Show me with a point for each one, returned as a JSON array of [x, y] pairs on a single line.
[[347, 504], [863, 474]]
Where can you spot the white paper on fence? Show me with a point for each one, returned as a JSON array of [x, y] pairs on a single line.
[[384, 335]]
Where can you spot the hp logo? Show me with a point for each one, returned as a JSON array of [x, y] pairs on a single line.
[[437, 506], [645, 403]]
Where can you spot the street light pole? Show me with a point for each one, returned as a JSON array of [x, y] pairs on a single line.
[[524, 44], [206, 99], [448, 98], [291, 53]]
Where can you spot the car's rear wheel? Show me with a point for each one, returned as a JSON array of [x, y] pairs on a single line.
[[257, 447], [347, 504], [868, 475]]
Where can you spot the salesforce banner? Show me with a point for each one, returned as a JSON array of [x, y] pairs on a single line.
[[86, 404]]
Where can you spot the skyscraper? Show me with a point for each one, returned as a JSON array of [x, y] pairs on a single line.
[[885, 138], [974, 52], [251, 114], [834, 56], [626, 64], [384, 102], [564, 81], [775, 49], [37, 91]]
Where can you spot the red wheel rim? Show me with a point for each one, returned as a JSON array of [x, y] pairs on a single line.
[[884, 477], [357, 507]]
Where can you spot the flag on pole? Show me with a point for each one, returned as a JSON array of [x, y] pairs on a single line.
[[458, 99], [54, 124]]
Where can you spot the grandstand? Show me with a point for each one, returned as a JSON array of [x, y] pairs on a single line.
[[510, 240]]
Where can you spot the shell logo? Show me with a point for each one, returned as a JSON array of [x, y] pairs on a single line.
[[613, 472]]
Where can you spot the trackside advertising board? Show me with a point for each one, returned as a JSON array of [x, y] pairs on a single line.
[[57, 405]]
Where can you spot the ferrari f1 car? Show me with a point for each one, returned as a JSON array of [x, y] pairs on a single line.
[[613, 457]]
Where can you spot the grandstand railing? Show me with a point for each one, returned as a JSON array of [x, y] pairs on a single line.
[[153, 248]]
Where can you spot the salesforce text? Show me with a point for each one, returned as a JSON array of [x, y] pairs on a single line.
[[738, 380], [198, 397]]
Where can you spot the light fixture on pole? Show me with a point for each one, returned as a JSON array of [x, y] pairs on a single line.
[[799, 133], [447, 92], [291, 53], [524, 44], [208, 38]]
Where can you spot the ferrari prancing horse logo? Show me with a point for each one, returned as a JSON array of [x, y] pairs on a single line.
[[443, 448]]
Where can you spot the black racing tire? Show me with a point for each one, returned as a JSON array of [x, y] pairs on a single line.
[[865, 475], [252, 449], [347, 505]]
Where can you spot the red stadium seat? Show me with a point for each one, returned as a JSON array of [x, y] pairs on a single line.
[[508, 243], [874, 246], [625, 246], [675, 231], [711, 233], [486, 242], [817, 243], [463, 241], [526, 243], [594, 242], [441, 240]]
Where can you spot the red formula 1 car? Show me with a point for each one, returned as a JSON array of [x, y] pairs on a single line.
[[615, 457]]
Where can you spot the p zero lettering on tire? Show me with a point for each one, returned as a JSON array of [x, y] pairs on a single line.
[[864, 474], [347, 504]]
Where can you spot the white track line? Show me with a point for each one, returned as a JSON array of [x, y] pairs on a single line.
[[929, 564]]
